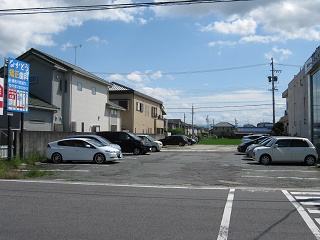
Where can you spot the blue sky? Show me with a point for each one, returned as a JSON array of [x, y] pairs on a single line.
[[214, 56]]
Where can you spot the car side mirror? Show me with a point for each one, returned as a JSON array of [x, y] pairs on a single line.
[[275, 146]]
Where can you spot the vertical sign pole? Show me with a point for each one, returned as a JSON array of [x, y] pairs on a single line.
[[21, 137], [9, 142]]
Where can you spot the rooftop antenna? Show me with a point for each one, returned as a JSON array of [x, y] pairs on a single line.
[[75, 52]]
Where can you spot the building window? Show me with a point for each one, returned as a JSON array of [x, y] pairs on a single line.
[[79, 86], [113, 127], [93, 91], [60, 85], [114, 113], [154, 112], [139, 107]]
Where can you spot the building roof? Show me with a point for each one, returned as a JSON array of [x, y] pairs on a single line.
[[118, 88], [35, 102], [115, 106], [60, 64], [223, 124]]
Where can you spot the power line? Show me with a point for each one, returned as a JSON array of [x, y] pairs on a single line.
[[228, 106], [86, 8], [233, 110], [188, 72]]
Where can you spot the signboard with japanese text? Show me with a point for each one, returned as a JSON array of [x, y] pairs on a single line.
[[18, 86], [1, 95]]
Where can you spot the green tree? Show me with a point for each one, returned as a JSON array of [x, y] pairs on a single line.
[[177, 131], [278, 129]]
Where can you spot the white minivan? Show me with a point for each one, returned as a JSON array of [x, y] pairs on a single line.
[[286, 149]]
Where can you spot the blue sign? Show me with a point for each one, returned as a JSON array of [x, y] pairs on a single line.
[[18, 86]]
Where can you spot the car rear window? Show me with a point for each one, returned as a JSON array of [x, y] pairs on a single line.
[[299, 143]]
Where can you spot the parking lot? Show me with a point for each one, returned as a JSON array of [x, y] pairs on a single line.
[[196, 165]]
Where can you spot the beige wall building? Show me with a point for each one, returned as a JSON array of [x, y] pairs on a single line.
[[144, 114]]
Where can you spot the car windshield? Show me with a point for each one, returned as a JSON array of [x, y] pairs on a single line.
[[104, 140], [95, 143], [151, 139], [269, 144], [264, 142], [134, 136]]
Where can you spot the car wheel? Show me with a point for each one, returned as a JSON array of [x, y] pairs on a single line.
[[181, 144], [154, 149], [56, 158], [99, 158], [265, 159], [136, 151], [310, 160]]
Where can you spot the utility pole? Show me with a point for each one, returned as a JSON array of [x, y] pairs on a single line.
[[184, 123], [192, 122], [273, 79]]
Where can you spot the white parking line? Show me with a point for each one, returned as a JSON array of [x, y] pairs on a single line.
[[279, 170], [296, 178], [225, 222], [308, 220]]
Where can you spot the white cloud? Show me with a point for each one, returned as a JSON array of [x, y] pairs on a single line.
[[116, 77], [156, 75], [96, 39], [239, 26], [162, 94], [222, 43], [278, 53], [137, 78], [20, 32]]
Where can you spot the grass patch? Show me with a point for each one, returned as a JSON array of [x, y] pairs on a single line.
[[18, 169], [220, 141]]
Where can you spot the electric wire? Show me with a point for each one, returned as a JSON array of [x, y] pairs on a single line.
[[86, 8], [187, 72]]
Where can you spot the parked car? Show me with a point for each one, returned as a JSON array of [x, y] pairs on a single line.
[[249, 151], [251, 137], [174, 140], [100, 139], [128, 142], [79, 149], [156, 145], [242, 147], [191, 141], [286, 149]]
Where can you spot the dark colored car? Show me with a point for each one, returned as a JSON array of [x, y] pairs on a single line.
[[128, 142], [174, 140], [242, 147]]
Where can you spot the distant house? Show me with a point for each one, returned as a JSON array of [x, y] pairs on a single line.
[[143, 115], [66, 98], [188, 128], [223, 129], [174, 123]]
